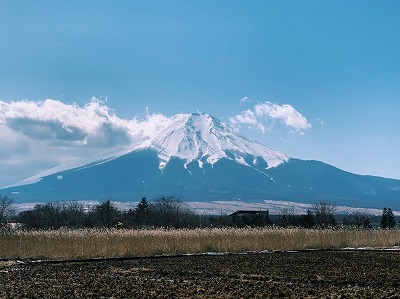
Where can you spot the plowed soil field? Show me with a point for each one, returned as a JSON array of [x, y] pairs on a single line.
[[310, 274]]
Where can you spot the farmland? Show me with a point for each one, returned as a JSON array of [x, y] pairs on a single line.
[[200, 263], [306, 274]]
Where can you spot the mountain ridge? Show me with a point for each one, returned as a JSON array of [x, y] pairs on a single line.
[[198, 158], [190, 132]]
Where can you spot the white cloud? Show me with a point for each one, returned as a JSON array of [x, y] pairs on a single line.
[[54, 120], [41, 134], [268, 112], [244, 99], [285, 113], [249, 118], [92, 125]]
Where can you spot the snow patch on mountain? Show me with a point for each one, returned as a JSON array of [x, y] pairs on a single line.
[[203, 138]]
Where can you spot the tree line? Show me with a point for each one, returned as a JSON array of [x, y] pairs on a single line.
[[165, 212], [324, 214], [169, 212]]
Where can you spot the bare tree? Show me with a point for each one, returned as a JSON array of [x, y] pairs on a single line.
[[171, 212], [287, 218], [359, 220], [54, 215], [72, 214], [324, 214], [6, 208]]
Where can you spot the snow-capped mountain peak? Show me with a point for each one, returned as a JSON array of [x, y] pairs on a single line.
[[190, 137], [205, 139], [221, 164]]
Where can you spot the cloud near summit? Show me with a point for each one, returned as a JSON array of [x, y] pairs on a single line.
[[92, 125], [96, 125], [265, 114], [41, 134]]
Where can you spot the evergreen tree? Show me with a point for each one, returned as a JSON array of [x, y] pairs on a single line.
[[391, 220], [345, 221], [143, 206], [142, 212], [106, 214], [384, 218], [388, 220], [307, 220]]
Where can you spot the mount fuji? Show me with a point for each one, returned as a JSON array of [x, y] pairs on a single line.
[[196, 157]]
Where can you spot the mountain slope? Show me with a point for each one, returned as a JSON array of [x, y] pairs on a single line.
[[198, 158], [195, 137]]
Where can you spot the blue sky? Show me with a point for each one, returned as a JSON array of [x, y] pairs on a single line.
[[334, 62]]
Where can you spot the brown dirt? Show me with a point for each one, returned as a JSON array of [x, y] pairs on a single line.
[[313, 274]]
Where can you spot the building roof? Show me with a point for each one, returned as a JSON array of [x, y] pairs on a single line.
[[252, 212]]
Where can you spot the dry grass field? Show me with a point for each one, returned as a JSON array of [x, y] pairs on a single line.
[[66, 244]]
